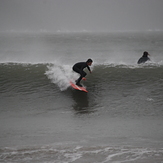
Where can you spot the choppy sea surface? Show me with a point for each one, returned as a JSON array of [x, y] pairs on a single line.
[[42, 119]]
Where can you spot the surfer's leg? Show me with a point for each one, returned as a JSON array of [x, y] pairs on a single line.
[[76, 70], [82, 74], [78, 81]]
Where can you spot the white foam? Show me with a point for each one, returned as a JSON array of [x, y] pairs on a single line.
[[61, 75]]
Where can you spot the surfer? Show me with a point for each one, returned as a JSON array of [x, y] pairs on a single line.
[[144, 58], [78, 67]]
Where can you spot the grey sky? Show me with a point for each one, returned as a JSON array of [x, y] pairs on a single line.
[[79, 15]]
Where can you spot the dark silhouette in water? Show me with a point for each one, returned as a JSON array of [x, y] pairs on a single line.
[[78, 67], [144, 58]]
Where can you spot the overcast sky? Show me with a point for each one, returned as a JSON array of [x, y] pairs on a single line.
[[79, 15]]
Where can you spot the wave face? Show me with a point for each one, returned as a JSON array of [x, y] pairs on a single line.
[[122, 82]]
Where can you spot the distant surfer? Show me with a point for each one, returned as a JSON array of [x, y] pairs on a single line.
[[78, 67], [144, 58]]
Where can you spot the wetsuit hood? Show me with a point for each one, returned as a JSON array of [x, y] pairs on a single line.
[[145, 54]]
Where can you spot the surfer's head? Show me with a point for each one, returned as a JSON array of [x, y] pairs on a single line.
[[89, 62], [145, 54]]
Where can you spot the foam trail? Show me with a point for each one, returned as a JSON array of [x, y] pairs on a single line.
[[61, 75]]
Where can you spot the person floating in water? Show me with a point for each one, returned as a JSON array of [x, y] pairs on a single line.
[[144, 58], [78, 67]]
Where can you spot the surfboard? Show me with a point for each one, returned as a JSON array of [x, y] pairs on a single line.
[[78, 87]]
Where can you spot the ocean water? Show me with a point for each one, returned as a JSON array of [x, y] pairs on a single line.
[[42, 119]]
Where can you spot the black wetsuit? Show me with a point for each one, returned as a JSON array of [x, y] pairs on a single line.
[[78, 67], [143, 60]]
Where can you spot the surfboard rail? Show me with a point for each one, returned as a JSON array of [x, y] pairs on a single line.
[[77, 87]]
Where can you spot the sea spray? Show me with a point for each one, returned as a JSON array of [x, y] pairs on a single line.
[[61, 75]]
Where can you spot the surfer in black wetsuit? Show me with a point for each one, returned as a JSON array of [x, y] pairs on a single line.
[[78, 67], [144, 58]]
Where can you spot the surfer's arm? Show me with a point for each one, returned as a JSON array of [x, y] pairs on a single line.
[[89, 69]]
